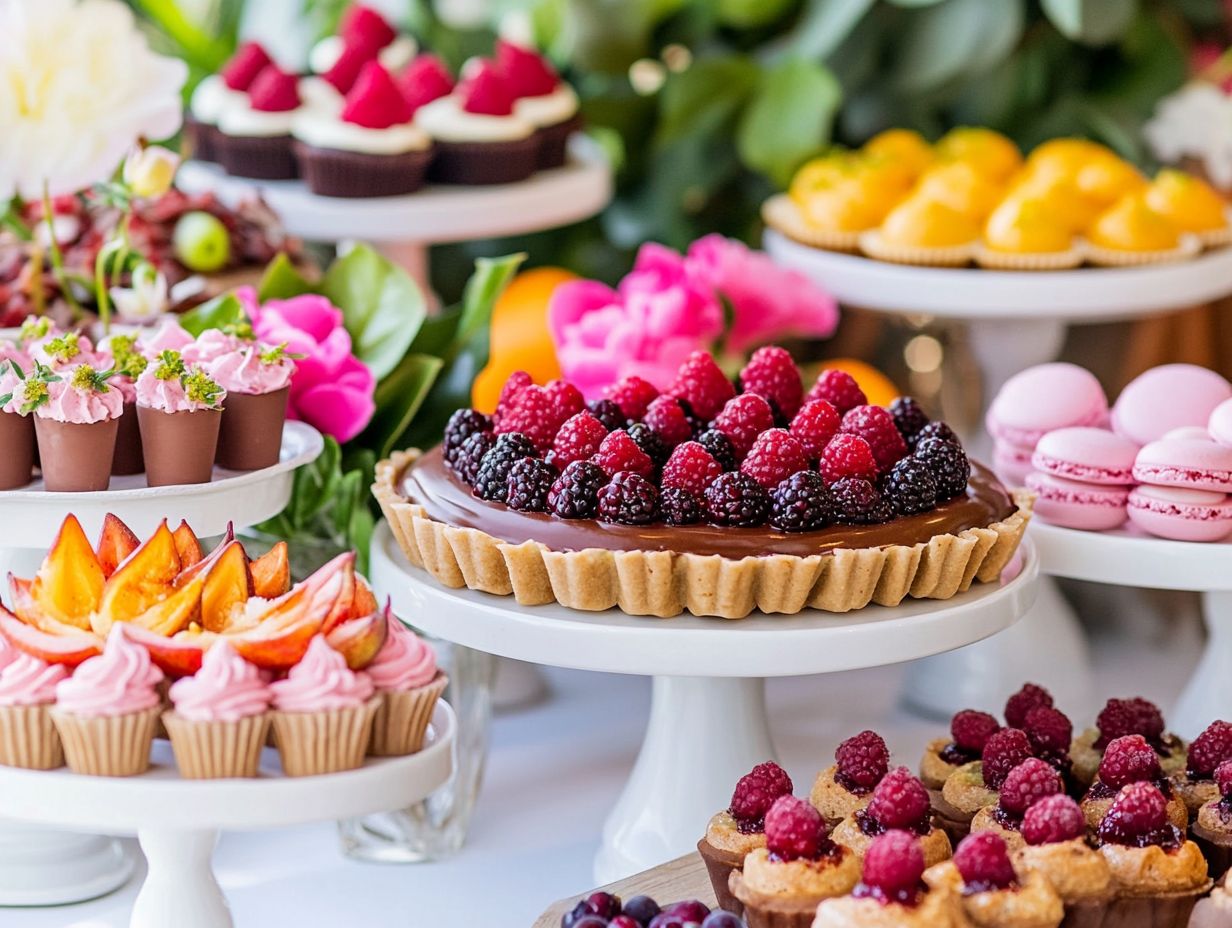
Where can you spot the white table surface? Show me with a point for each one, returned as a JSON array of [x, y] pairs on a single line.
[[556, 769]]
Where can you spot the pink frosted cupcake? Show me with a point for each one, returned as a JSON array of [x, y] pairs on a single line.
[[16, 427], [128, 364], [170, 336], [28, 738], [409, 683], [257, 379], [179, 410], [220, 717], [77, 418], [323, 713], [106, 712]]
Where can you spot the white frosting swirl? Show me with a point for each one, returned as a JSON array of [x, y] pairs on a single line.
[[550, 109], [213, 97], [324, 131], [256, 123], [319, 94], [445, 119]]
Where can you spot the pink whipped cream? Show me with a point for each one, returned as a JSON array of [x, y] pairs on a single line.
[[404, 662], [8, 653], [212, 344], [168, 395], [10, 386], [226, 688], [69, 402], [321, 682], [170, 336], [250, 371], [126, 387], [28, 681], [120, 681], [65, 350]]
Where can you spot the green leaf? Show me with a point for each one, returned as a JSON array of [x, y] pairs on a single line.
[[483, 289], [1003, 22], [938, 44], [704, 95], [398, 398], [221, 311], [282, 281], [825, 24], [915, 3], [1092, 22], [313, 485], [789, 119], [382, 307]]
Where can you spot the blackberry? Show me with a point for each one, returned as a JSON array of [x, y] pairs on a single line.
[[780, 420], [854, 498], [720, 448], [680, 507], [629, 499], [649, 441], [911, 487], [737, 499], [607, 412], [462, 425], [528, 484], [949, 465], [909, 418], [575, 494], [801, 503], [491, 481], [469, 456], [881, 513], [696, 421], [940, 430]]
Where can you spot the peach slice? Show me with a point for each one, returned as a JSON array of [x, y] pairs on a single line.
[[115, 543], [359, 640], [271, 572], [146, 578], [228, 583], [69, 584], [174, 613], [365, 600], [333, 589], [70, 648], [179, 656], [203, 565], [280, 640], [187, 545], [23, 603]]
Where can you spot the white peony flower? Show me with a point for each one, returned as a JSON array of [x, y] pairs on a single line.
[[146, 299], [78, 86]]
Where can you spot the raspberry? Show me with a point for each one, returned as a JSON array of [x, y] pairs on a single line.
[[862, 761], [529, 482], [575, 494], [566, 399], [795, 830], [900, 801], [620, 452], [608, 413], [1049, 730], [814, 425], [983, 860], [491, 480], [772, 374], [577, 440], [847, 456], [949, 465], [774, 457], [534, 413], [1210, 749], [645, 438], [700, 381], [839, 388], [690, 467], [756, 792], [1129, 759], [667, 416], [909, 418], [517, 382], [1138, 816], [633, 395], [911, 487], [854, 499], [1135, 716], [937, 430], [467, 459], [893, 866], [1002, 753], [876, 426], [680, 507], [801, 503], [971, 730], [736, 499], [720, 447], [462, 425], [1053, 819], [1022, 702], [1027, 784], [630, 499], [1223, 779], [742, 420]]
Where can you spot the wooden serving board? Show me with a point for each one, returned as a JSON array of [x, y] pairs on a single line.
[[682, 878]]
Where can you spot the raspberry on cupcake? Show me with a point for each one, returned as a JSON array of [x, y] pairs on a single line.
[[1129, 759], [218, 93], [847, 785], [1026, 784], [993, 893], [542, 99], [976, 785], [1055, 845], [254, 135], [969, 732], [1212, 828], [899, 803], [1120, 717]]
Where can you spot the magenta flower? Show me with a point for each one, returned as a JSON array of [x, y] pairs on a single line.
[[332, 390]]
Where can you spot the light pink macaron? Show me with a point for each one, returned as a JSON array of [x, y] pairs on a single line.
[[1182, 515], [1043, 398], [1166, 398], [1011, 463], [1070, 504], [1193, 464], [1196, 432], [1086, 454], [1219, 425]]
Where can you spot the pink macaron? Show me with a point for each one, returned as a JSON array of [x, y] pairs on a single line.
[[1193, 464], [1071, 504], [1219, 425], [1043, 398], [1086, 454], [1166, 398], [1182, 515], [1011, 463]]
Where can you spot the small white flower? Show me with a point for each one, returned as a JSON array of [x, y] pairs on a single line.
[[147, 297], [149, 171]]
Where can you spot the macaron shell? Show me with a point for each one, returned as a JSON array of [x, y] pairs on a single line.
[[1045, 397], [1011, 463], [1196, 432], [1088, 455], [1185, 462], [1166, 398], [1219, 426], [1071, 504], [1181, 515]]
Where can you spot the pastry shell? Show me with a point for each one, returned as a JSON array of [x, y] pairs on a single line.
[[781, 214]]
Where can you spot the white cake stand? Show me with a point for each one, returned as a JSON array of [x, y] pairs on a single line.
[[177, 821], [708, 721]]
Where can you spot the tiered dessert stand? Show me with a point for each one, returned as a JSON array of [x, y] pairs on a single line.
[[709, 687], [1015, 320], [177, 821], [43, 867]]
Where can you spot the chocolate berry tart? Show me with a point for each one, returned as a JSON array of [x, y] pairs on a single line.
[[702, 497]]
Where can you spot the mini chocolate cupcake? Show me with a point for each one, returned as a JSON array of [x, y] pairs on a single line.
[[254, 140], [1212, 829], [16, 427], [76, 419], [1029, 782], [257, 379], [847, 785], [543, 99], [128, 364], [218, 93], [179, 410], [969, 732], [899, 802]]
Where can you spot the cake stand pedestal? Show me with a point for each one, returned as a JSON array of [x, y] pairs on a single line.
[[708, 721], [1015, 320], [177, 821], [43, 867]]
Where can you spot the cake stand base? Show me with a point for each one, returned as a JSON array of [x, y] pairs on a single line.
[[180, 888], [42, 866], [1209, 693]]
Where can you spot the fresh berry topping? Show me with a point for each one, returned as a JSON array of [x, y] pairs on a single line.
[[801, 503], [491, 482], [1022, 702], [756, 791], [609, 414], [648, 440], [375, 101], [949, 465], [517, 382], [909, 418], [249, 60], [529, 482], [1129, 759], [577, 440], [1049, 730], [1210, 749], [630, 499], [736, 499], [937, 430], [772, 375], [814, 425], [854, 499], [774, 457], [893, 866], [425, 79], [566, 399], [971, 730], [641, 909], [529, 73], [1053, 819], [344, 72], [462, 425], [1223, 779], [1135, 716], [1004, 751], [910, 487], [900, 801], [533, 413], [618, 452], [723, 919], [362, 25], [876, 426], [1138, 816], [1027, 784], [839, 388], [575, 494], [274, 91], [485, 91], [702, 384], [983, 860], [862, 760], [469, 456], [633, 395], [690, 910], [690, 467], [882, 512], [847, 456], [667, 416], [795, 830], [720, 448], [743, 419], [678, 506]]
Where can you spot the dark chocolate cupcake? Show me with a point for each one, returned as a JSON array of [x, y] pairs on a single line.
[[219, 93], [254, 140], [543, 99]]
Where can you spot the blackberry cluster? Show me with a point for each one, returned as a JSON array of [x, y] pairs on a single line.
[[909, 418], [801, 503], [911, 487], [575, 494], [469, 456], [937, 430], [649, 441], [528, 485], [737, 499], [854, 500], [492, 478], [462, 425], [720, 448], [680, 507], [607, 412], [629, 499], [949, 465]]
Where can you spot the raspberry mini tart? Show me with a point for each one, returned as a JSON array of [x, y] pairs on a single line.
[[993, 893], [1026, 784], [1212, 828], [899, 802], [846, 786], [969, 732], [1196, 783], [975, 786], [1129, 759], [1055, 845], [1120, 717]]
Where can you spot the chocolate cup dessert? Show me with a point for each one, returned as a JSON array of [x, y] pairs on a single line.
[[1216, 848], [554, 142], [481, 163], [17, 460], [179, 446], [201, 139], [76, 456], [250, 434], [262, 157], [128, 456], [720, 864], [330, 172]]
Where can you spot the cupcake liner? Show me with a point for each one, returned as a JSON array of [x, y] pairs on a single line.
[[128, 458], [107, 745], [995, 260], [1214, 238], [1115, 257], [350, 174], [76, 457], [483, 163], [720, 864], [1163, 911], [179, 447], [200, 140], [873, 245], [213, 750], [28, 738], [324, 742], [1216, 848], [782, 214], [554, 142], [262, 157], [765, 911], [402, 718], [250, 433], [17, 440]]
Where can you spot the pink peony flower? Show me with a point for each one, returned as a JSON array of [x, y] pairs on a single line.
[[332, 390]]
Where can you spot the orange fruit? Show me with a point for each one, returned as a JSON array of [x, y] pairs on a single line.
[[879, 389]]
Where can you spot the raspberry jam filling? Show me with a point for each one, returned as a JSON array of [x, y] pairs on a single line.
[[909, 896], [1101, 790], [872, 827], [955, 756]]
